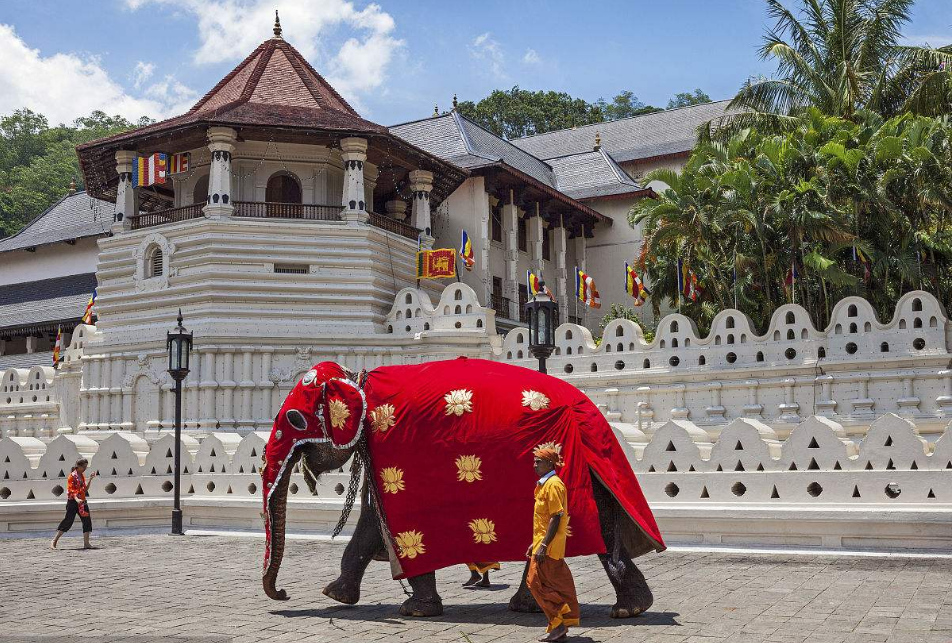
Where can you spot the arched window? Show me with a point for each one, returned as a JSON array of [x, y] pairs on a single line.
[[154, 262], [283, 188], [200, 193]]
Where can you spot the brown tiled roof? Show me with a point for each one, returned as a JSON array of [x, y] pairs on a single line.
[[274, 88]]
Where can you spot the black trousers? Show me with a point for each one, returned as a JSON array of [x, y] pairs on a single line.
[[72, 508]]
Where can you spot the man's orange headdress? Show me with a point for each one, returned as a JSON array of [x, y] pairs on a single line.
[[551, 452]]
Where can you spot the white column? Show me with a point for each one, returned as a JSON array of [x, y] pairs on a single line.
[[208, 384], [265, 413], [510, 232], [354, 200], [221, 144], [3, 346], [421, 184], [397, 209], [228, 384], [535, 232], [559, 240], [247, 387], [125, 193], [115, 394], [190, 393], [31, 344], [483, 231], [104, 377]]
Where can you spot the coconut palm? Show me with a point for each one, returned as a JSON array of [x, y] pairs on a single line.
[[840, 56]]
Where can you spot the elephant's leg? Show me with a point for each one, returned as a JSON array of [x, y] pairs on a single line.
[[363, 546], [522, 600], [631, 589], [425, 600]]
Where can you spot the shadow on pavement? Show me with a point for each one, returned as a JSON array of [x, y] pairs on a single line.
[[592, 615]]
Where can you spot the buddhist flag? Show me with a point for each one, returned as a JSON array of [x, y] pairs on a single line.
[[634, 286], [88, 313], [687, 282], [536, 285], [790, 280], [860, 257], [178, 163], [436, 264], [149, 170], [585, 289], [58, 346], [466, 252]]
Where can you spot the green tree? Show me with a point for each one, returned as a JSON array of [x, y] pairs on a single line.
[[840, 56], [619, 311], [624, 105], [519, 112], [37, 162], [686, 99]]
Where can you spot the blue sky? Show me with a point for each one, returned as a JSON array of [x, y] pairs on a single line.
[[394, 58]]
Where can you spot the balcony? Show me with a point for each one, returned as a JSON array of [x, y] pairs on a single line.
[[272, 210], [501, 305], [151, 219]]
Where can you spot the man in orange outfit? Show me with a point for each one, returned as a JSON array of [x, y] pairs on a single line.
[[549, 578]]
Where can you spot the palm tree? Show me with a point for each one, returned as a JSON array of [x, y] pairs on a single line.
[[840, 56]]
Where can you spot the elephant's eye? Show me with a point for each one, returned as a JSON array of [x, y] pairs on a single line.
[[297, 419]]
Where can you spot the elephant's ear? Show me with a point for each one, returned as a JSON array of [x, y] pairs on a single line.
[[343, 409]]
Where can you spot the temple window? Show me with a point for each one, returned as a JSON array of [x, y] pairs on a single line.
[[283, 188], [154, 262]]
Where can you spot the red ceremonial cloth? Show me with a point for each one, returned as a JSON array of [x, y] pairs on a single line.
[[453, 461]]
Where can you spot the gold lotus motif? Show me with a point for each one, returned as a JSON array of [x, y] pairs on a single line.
[[410, 544], [484, 531], [339, 412], [458, 402], [383, 417], [392, 480], [467, 468], [535, 400]]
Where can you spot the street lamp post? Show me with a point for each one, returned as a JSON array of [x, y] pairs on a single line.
[[543, 316], [179, 344]]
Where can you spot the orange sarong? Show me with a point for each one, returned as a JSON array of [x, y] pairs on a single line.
[[482, 568], [553, 588]]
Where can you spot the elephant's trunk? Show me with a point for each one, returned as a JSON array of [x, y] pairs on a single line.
[[277, 508]]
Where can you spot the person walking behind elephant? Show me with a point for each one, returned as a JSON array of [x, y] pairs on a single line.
[[478, 570], [548, 578], [76, 487]]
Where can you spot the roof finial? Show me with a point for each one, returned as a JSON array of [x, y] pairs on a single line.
[[277, 25], [598, 141], [436, 110], [455, 103], [72, 186]]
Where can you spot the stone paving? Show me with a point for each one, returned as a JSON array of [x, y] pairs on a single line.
[[194, 588]]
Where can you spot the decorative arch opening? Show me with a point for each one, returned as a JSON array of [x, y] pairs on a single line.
[[283, 187], [200, 191], [154, 262]]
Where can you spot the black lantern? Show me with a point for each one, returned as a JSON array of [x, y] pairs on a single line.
[[179, 344], [543, 316]]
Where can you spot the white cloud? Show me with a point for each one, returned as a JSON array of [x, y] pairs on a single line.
[[230, 29], [63, 86], [143, 71], [531, 57], [933, 40], [488, 52]]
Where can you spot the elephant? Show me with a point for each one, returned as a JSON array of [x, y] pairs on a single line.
[[445, 451]]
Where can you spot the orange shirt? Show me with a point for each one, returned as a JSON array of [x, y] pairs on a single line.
[[76, 486], [551, 498]]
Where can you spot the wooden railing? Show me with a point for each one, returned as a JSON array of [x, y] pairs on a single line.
[[272, 210], [174, 215], [394, 226], [501, 305]]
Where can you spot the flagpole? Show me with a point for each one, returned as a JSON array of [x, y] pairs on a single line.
[[793, 279]]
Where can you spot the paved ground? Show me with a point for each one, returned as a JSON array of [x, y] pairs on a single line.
[[160, 588]]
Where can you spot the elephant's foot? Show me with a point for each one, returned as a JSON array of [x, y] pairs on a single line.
[[425, 600], [343, 592], [413, 606], [626, 608], [522, 601], [636, 599]]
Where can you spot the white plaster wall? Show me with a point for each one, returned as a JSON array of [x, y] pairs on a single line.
[[54, 260]]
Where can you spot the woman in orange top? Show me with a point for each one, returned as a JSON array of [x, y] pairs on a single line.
[[76, 487]]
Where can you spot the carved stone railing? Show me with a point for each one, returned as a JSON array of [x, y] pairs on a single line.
[[394, 226], [173, 215], [273, 210]]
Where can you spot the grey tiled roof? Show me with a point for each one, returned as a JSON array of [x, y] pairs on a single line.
[[466, 144], [629, 139], [26, 360], [48, 300], [590, 175], [72, 217]]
